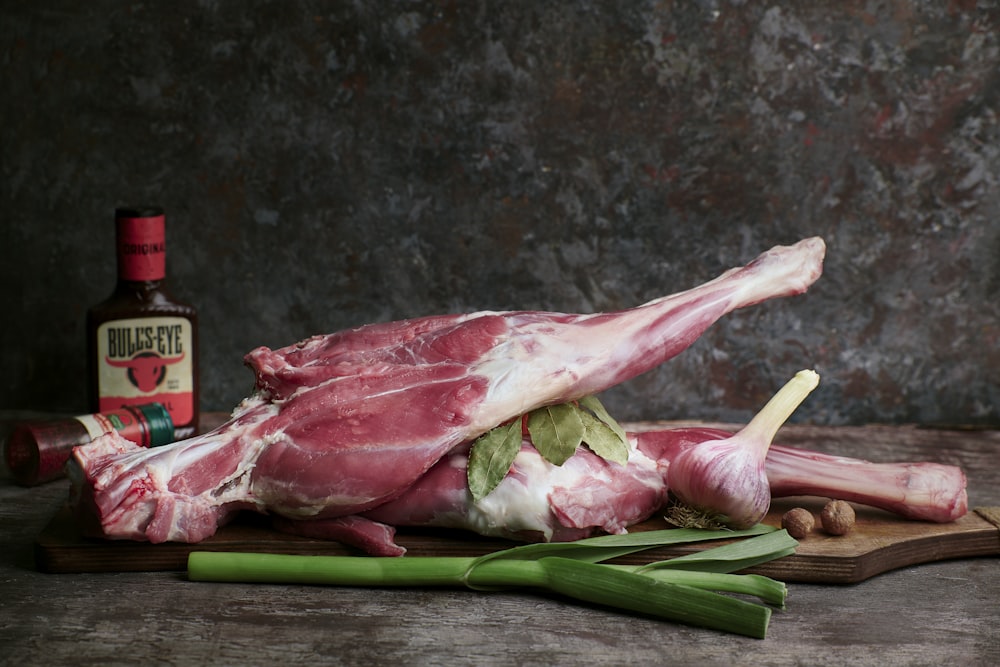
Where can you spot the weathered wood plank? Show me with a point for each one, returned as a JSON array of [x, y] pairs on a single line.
[[879, 542], [931, 614]]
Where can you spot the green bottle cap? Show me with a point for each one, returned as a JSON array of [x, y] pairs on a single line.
[[161, 426]]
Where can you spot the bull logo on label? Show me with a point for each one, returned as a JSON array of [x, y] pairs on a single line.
[[146, 371]]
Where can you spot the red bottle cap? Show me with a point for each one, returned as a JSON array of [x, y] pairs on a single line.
[[142, 243]]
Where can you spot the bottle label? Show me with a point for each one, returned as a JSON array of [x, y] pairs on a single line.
[[142, 248], [146, 360], [96, 425], [129, 424]]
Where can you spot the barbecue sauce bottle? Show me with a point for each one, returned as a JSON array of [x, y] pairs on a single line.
[[142, 344]]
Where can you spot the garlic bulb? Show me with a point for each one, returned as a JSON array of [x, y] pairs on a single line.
[[722, 482]]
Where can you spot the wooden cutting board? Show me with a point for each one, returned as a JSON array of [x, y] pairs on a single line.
[[878, 543]]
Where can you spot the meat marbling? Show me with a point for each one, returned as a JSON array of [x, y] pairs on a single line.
[[344, 423]]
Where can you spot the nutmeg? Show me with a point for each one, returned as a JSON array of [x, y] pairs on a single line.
[[798, 522], [837, 517]]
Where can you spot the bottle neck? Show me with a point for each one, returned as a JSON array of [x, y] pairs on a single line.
[[141, 247], [140, 287]]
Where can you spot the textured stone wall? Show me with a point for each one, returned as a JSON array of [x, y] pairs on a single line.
[[328, 164]]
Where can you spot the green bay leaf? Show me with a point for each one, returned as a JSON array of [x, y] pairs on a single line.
[[595, 406], [491, 457], [556, 431], [603, 441]]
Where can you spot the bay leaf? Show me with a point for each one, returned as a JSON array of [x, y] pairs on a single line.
[[595, 406], [556, 431], [491, 456], [603, 440]]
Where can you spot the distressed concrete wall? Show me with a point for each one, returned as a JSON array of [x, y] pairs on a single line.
[[325, 165]]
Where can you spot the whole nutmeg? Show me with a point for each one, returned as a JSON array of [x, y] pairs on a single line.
[[798, 522], [837, 517]]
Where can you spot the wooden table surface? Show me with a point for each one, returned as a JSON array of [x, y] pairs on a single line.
[[931, 614]]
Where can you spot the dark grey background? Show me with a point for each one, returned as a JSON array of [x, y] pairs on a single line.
[[329, 164]]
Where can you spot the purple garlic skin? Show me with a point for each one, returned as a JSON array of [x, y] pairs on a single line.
[[724, 479]]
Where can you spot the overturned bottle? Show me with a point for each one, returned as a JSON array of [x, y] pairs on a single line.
[[37, 450]]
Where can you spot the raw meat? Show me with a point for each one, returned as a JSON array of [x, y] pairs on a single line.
[[343, 423], [539, 501], [922, 491]]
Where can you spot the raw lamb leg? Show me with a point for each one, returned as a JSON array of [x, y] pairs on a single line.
[[343, 423], [539, 501], [922, 490], [536, 501]]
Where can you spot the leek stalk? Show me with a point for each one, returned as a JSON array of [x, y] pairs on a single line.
[[681, 589]]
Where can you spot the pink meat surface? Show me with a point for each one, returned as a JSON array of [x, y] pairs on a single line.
[[923, 491], [344, 423], [539, 501]]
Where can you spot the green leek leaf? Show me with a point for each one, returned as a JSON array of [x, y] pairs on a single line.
[[606, 547], [739, 555], [769, 590]]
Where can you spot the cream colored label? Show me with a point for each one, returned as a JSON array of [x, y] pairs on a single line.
[[144, 360], [96, 425]]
